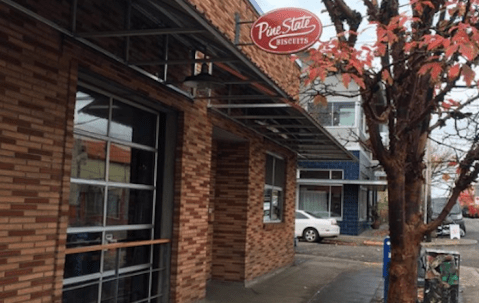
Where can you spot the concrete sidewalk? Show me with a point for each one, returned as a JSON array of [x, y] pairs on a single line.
[[312, 279], [319, 279]]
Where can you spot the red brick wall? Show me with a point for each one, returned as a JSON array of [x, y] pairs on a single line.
[[269, 246], [35, 120], [222, 15], [230, 211], [38, 77]]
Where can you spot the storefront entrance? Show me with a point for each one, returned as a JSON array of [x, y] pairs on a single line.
[[115, 251]]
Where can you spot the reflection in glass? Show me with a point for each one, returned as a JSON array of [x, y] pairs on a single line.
[[83, 239], [336, 198], [343, 114], [87, 294], [125, 257], [131, 165], [133, 124], [334, 114], [88, 158], [323, 201], [314, 174], [125, 290], [82, 264], [91, 112], [86, 205], [129, 206], [336, 175]]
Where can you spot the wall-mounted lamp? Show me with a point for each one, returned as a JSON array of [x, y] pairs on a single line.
[[203, 80]]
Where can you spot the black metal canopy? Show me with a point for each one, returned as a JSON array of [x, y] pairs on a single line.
[[251, 97]]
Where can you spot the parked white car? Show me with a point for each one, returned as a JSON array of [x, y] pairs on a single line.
[[313, 228]]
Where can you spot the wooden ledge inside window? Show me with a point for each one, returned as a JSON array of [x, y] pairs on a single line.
[[83, 249]]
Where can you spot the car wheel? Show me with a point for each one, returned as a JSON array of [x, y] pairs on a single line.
[[310, 235], [462, 233]]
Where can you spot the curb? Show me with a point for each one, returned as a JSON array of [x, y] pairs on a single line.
[[374, 242]]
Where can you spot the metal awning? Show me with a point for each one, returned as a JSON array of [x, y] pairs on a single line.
[[166, 25], [378, 185]]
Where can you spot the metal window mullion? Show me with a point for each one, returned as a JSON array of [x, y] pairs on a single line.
[[80, 279], [153, 218], [167, 47], [329, 200], [112, 184], [128, 27], [74, 11], [116, 97], [114, 140], [105, 196], [73, 230]]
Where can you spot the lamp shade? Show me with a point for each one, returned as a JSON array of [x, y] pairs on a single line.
[[203, 80]]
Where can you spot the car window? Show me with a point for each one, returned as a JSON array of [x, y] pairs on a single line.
[[315, 215], [439, 205], [456, 209], [300, 216]]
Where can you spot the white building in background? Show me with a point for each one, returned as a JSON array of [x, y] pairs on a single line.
[[345, 190]]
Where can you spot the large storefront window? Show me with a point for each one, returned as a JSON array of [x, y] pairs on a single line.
[[113, 254], [273, 189], [334, 113], [324, 201]]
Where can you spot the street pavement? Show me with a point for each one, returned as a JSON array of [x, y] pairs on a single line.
[[318, 278]]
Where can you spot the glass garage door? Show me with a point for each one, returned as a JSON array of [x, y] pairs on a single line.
[[113, 254]]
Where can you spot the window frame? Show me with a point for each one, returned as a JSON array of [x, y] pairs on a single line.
[[363, 201], [329, 195], [150, 268], [321, 169], [272, 188], [318, 110]]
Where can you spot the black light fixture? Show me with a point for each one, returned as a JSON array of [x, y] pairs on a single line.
[[203, 80]]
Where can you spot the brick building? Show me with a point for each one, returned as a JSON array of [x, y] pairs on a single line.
[[121, 183]]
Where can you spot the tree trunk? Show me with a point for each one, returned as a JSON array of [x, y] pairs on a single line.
[[403, 272], [405, 242]]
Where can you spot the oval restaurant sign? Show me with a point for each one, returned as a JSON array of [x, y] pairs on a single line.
[[286, 30]]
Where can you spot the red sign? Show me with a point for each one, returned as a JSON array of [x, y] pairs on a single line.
[[286, 30]]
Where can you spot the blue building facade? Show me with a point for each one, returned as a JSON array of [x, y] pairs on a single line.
[[350, 219]]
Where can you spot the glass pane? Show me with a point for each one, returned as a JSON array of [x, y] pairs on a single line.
[[343, 114], [129, 206], [336, 198], [125, 257], [82, 264], [336, 175], [322, 113], [133, 124], [269, 170], [91, 112], [128, 235], [314, 174], [131, 165], [276, 205], [125, 290], [279, 172], [315, 200], [88, 158], [83, 239], [86, 294], [86, 205], [267, 205], [300, 216]]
